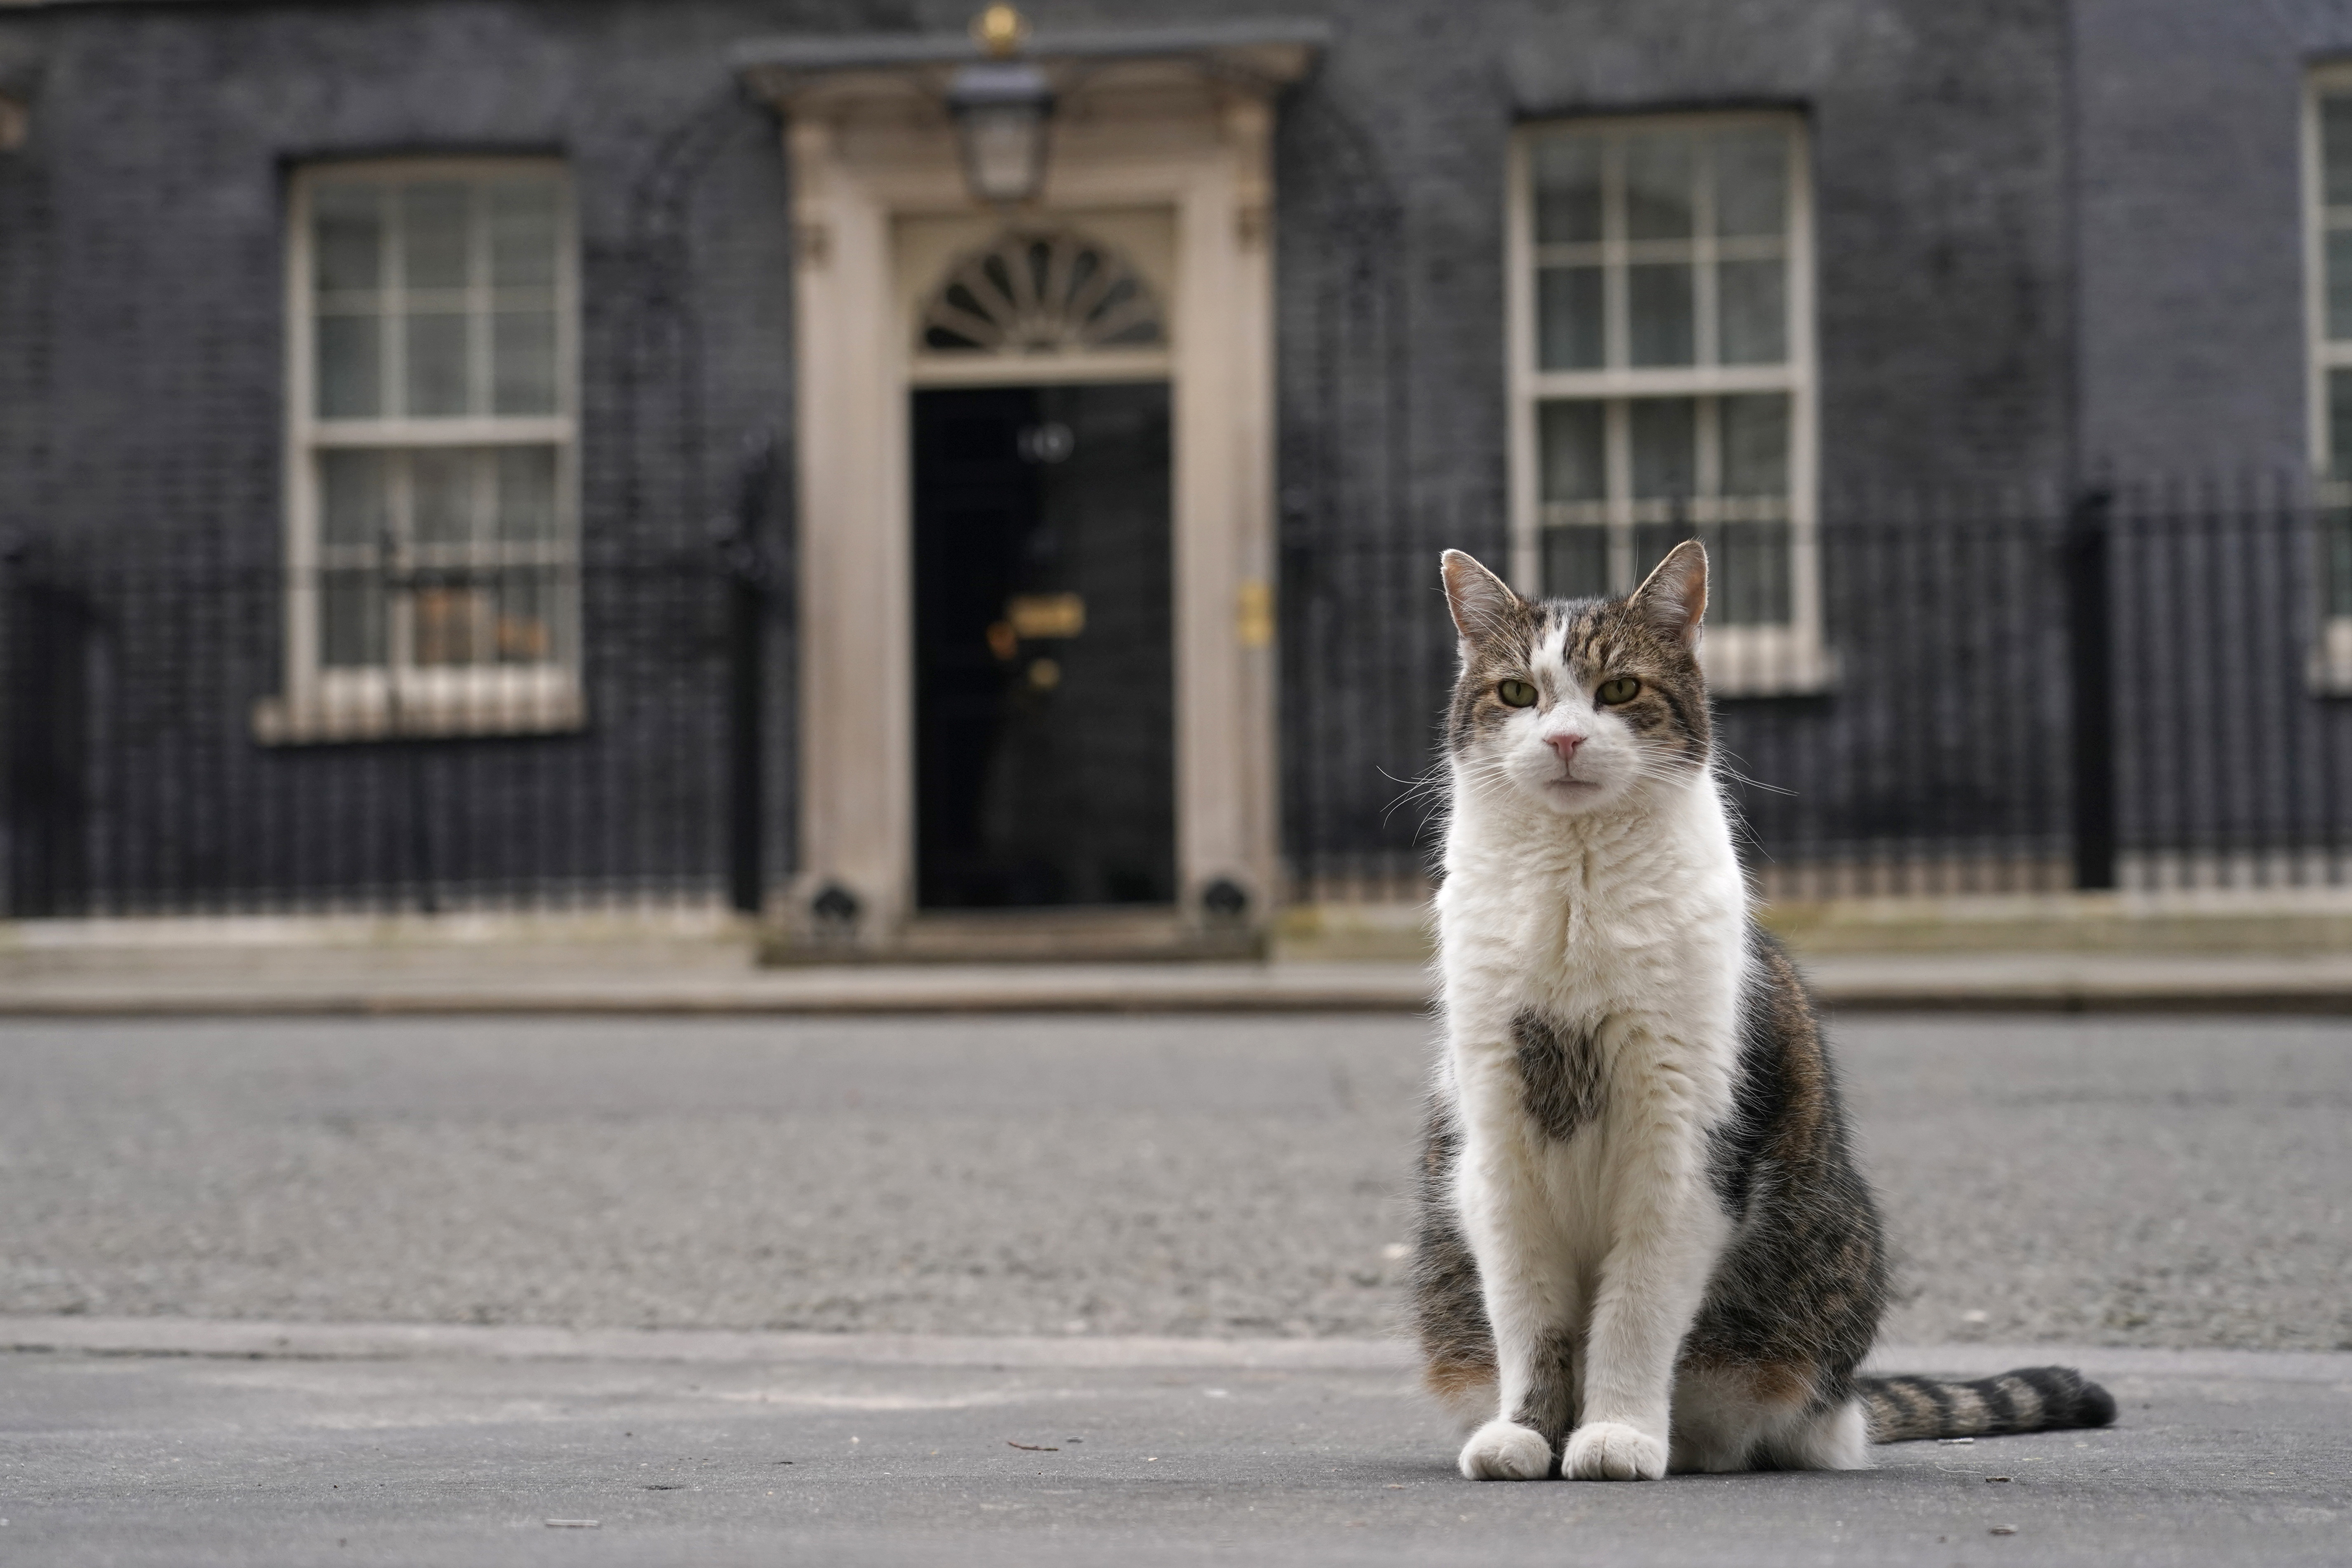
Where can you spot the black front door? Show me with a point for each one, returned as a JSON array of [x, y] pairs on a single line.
[[1043, 656]]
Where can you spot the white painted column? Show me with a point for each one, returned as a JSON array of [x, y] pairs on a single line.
[[856, 798]]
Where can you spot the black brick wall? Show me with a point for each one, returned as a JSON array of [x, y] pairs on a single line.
[[141, 255], [2194, 354]]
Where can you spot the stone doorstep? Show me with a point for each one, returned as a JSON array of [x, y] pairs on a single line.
[[1114, 935]]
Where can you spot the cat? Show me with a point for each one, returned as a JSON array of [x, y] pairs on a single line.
[[1642, 1244]]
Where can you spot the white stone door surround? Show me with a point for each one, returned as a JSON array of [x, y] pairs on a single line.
[[1172, 143]]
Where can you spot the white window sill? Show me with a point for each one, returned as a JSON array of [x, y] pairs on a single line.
[[2331, 661], [340, 706]]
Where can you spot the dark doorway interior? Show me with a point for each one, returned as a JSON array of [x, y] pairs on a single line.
[[1044, 648]]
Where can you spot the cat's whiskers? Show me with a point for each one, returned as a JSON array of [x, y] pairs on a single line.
[[1723, 770]]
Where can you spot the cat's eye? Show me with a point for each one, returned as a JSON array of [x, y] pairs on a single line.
[[1517, 693], [1620, 691]]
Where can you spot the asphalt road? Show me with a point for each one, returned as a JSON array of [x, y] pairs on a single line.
[[2114, 1182], [185, 1462]]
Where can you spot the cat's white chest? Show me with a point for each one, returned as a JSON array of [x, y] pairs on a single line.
[[1648, 923], [1630, 944]]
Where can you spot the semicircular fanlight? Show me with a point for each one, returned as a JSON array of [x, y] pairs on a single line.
[[1042, 292]]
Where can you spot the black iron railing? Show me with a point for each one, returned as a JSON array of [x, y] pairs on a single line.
[[198, 736], [2139, 688], [2134, 689]]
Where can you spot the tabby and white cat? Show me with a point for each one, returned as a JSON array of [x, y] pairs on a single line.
[[1642, 1242]]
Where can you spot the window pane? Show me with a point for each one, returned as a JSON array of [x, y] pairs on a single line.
[[1747, 567], [522, 361], [522, 234], [437, 365], [437, 299], [351, 619], [351, 499], [441, 497], [347, 237], [1567, 319], [2339, 423], [1576, 562], [432, 235], [1575, 465], [2339, 283], [1751, 181], [2335, 148], [525, 629], [2336, 561], [1651, 543], [1567, 170], [526, 493], [1748, 574], [350, 366], [1664, 455], [1659, 301], [449, 622], [1754, 326], [1658, 167], [1754, 431]]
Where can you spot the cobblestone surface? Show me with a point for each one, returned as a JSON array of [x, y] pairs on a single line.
[[2123, 1183]]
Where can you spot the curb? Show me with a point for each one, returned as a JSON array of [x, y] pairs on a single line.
[[264, 1339], [277, 1004], [2330, 1002], [2314, 985], [274, 1341]]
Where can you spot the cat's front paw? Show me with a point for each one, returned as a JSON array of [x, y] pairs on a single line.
[[1611, 1451], [1506, 1451]]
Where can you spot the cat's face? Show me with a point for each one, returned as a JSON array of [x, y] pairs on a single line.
[[1576, 704]]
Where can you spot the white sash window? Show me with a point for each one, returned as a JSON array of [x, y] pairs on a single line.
[[2328, 228], [1661, 374], [432, 548]]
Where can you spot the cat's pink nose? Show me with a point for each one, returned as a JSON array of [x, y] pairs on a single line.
[[1566, 746]]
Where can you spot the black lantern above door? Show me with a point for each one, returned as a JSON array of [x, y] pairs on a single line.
[[1002, 108]]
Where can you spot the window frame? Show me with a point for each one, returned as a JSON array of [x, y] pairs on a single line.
[[2331, 658], [400, 697], [1741, 660]]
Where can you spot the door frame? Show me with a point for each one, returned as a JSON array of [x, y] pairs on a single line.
[[868, 149]]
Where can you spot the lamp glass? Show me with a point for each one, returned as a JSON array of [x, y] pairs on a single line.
[[1001, 108], [1004, 151]]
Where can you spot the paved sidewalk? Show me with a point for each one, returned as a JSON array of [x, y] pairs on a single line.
[[260, 1443], [357, 982], [362, 981]]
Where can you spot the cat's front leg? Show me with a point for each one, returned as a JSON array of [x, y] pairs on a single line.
[[1529, 1296], [1667, 1232], [1538, 1407], [1534, 1365]]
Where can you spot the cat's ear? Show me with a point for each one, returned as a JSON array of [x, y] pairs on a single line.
[[1484, 606], [1673, 597]]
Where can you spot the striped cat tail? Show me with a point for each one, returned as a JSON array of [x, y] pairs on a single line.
[[2030, 1399]]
